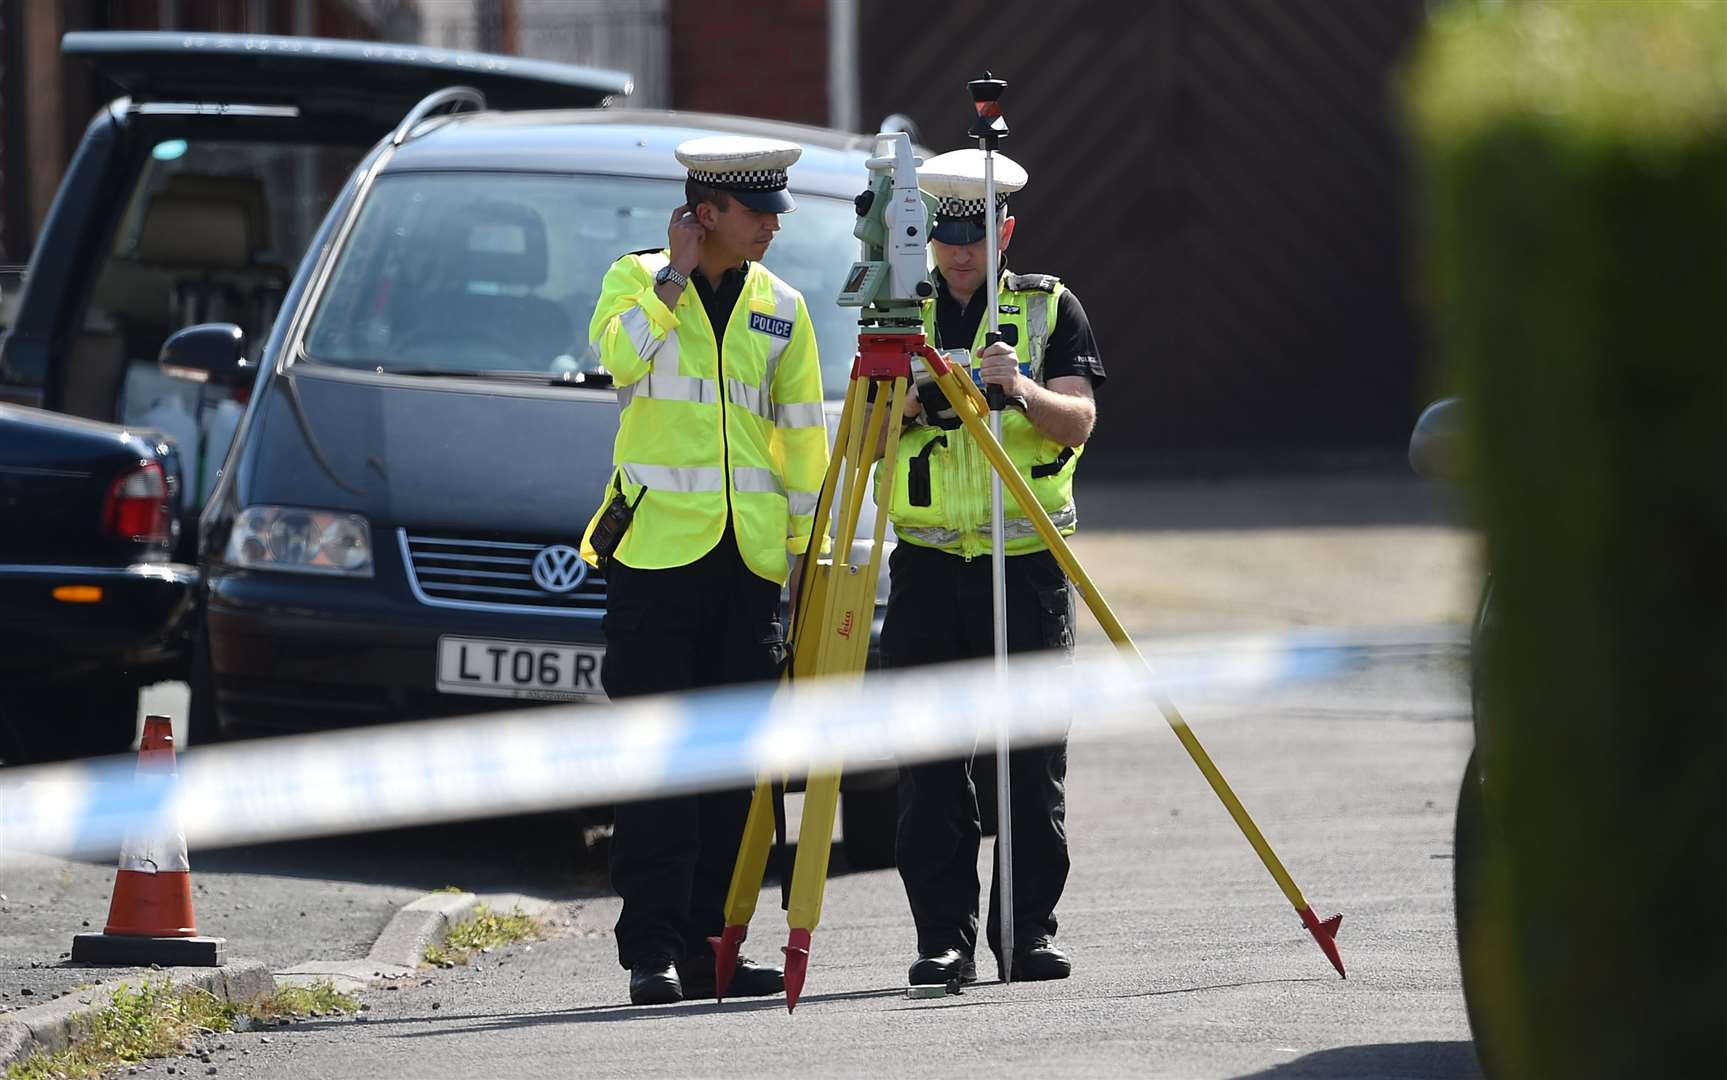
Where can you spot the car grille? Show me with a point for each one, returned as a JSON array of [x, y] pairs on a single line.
[[490, 574]]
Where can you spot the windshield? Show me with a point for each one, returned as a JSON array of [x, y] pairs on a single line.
[[486, 273]]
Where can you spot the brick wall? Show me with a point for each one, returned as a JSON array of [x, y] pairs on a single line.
[[751, 58], [1221, 181]]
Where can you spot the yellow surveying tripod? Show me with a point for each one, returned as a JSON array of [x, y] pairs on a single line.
[[836, 596]]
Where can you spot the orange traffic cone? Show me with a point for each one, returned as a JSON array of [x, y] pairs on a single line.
[[150, 918]]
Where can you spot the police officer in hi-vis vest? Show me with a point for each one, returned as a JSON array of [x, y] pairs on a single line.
[[939, 607], [720, 454]]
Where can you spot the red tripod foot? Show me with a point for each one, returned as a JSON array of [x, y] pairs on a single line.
[[797, 952], [1325, 933], [726, 957]]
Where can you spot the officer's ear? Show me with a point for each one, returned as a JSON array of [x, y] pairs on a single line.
[[1006, 231], [708, 213]]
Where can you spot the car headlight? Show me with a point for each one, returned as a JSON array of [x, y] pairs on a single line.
[[300, 541]]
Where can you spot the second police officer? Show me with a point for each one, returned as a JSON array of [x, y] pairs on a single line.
[[940, 607], [719, 458]]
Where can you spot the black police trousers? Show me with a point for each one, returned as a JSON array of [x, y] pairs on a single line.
[[939, 609], [709, 623]]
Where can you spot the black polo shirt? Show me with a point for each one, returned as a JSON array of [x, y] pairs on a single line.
[[719, 301], [1072, 349]]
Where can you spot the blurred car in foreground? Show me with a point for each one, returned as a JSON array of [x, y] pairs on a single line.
[[1436, 453]]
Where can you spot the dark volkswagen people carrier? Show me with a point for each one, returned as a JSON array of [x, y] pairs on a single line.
[[395, 529]]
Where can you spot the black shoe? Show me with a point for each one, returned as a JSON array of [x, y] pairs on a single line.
[[749, 979], [1039, 962], [655, 982], [944, 968]]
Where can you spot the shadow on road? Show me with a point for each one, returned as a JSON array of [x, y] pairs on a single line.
[[1406, 1061], [607, 1014], [537, 853], [1212, 986], [560, 854], [964, 1002]]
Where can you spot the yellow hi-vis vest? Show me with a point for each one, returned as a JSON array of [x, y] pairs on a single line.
[[941, 496], [711, 433]]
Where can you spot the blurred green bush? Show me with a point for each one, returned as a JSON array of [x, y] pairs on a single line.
[[1573, 188]]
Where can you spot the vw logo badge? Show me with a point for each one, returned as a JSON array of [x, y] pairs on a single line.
[[559, 568]]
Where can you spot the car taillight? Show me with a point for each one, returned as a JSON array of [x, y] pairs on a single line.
[[137, 505]]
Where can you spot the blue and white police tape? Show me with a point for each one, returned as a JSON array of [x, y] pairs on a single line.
[[594, 754]]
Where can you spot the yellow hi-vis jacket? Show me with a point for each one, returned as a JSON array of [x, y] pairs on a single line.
[[941, 496], [711, 433]]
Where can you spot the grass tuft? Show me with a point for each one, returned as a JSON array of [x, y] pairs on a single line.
[[317, 999], [153, 1020], [157, 1020], [484, 929]]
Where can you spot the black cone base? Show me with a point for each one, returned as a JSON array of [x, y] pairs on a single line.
[[118, 950]]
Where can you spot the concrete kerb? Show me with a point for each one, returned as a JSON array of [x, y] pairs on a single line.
[[396, 954], [400, 948], [49, 1027]]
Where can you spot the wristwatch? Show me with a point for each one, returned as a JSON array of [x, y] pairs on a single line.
[[670, 273]]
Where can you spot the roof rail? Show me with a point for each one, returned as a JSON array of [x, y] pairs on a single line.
[[450, 99]]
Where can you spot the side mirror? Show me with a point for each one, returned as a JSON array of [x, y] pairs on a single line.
[[1435, 446], [208, 352], [902, 122], [11, 287]]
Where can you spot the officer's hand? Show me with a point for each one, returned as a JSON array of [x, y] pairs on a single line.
[[684, 237], [999, 364]]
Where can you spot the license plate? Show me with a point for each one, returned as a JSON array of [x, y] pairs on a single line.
[[522, 669]]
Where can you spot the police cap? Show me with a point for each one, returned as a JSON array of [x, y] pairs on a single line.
[[956, 180], [750, 170]]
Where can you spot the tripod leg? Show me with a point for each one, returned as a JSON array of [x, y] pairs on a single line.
[[746, 885], [841, 650], [846, 603], [855, 395], [1324, 931], [809, 877], [758, 837], [854, 469], [890, 455]]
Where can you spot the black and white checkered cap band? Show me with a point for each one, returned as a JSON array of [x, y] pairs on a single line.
[[748, 180], [949, 206]]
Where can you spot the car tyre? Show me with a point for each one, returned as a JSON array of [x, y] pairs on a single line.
[[203, 727], [57, 721], [869, 819], [1470, 850]]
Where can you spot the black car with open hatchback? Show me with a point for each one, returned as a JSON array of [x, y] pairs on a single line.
[[189, 200]]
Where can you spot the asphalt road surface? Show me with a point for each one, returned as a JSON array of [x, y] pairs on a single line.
[[1188, 962]]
